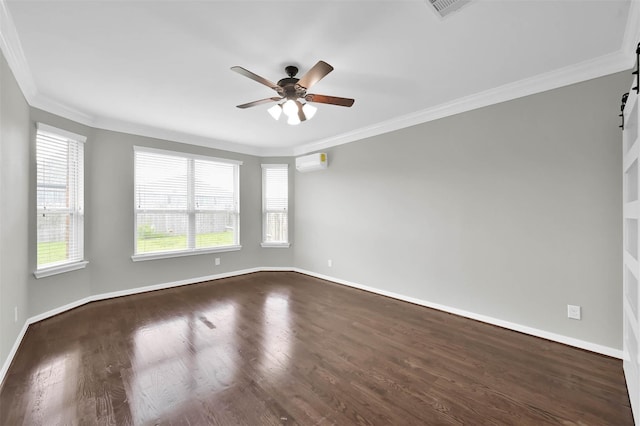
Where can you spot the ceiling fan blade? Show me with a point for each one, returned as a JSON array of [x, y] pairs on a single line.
[[315, 74], [333, 100], [260, 102], [255, 77]]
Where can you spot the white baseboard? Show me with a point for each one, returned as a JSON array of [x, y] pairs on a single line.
[[582, 344], [138, 290], [120, 293], [593, 347], [13, 351]]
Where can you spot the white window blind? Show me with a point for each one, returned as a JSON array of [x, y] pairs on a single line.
[[184, 203], [60, 197], [275, 204]]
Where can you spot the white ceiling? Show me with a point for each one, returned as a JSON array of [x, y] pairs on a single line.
[[161, 68]]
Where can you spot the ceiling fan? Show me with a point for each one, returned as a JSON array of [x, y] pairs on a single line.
[[291, 90]]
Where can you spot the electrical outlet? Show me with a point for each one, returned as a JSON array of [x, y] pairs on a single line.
[[573, 312], [15, 314], [329, 263], [217, 261]]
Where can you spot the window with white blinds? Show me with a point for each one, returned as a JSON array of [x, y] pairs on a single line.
[[60, 199], [275, 205], [184, 204]]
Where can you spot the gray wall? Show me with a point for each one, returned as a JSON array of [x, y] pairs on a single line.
[[108, 218], [511, 211], [14, 190], [111, 231], [109, 223], [57, 290]]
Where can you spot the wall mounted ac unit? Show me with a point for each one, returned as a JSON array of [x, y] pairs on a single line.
[[312, 162], [445, 7]]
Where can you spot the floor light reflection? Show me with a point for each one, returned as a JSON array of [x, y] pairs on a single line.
[[179, 360], [54, 390], [277, 335]]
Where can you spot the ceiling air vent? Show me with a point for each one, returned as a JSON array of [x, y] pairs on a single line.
[[445, 7]]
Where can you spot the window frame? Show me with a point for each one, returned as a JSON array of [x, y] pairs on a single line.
[[77, 210], [191, 209], [273, 244]]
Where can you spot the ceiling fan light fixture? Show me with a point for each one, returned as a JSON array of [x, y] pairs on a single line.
[[290, 108], [293, 120], [275, 111], [309, 111], [293, 96]]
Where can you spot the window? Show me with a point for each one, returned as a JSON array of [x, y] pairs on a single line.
[[60, 201], [275, 205], [184, 204]]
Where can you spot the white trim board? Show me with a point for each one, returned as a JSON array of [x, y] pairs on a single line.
[[120, 293], [554, 337], [593, 347], [13, 351], [573, 74], [632, 32], [12, 48], [620, 60]]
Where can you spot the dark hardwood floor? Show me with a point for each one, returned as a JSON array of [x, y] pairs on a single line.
[[285, 348]]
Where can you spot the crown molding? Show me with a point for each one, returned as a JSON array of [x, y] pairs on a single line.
[[115, 125], [182, 137], [597, 67], [12, 49], [40, 101], [587, 70], [104, 123], [632, 32], [16, 59]]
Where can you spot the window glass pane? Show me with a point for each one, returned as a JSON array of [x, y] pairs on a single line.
[[53, 237], [161, 181], [214, 186], [276, 227], [59, 199], [276, 189], [215, 229], [161, 232], [275, 203], [201, 193], [52, 173]]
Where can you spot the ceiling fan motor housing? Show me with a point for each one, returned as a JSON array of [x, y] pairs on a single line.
[[290, 89]]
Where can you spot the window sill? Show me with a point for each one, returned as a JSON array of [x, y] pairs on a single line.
[[61, 269], [170, 254], [275, 245]]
